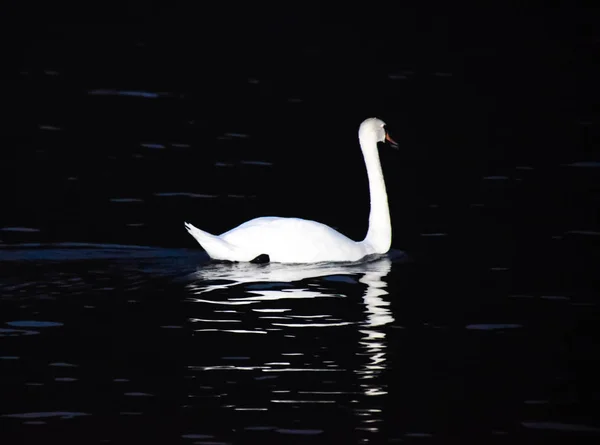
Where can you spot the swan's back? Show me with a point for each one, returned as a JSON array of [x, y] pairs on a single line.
[[294, 240]]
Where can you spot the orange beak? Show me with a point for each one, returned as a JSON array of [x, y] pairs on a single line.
[[390, 140]]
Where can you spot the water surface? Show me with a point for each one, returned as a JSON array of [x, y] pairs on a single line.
[[482, 324]]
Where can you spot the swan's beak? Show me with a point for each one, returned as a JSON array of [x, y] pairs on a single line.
[[390, 140]]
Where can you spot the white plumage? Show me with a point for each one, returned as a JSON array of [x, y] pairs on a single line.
[[296, 240]]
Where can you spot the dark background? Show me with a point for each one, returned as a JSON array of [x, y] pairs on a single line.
[[494, 195], [466, 93]]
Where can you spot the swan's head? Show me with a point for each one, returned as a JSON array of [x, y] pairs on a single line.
[[375, 128]]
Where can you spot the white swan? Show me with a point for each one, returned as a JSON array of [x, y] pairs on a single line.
[[296, 240]]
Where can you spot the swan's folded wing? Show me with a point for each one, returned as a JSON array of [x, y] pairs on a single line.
[[292, 240]]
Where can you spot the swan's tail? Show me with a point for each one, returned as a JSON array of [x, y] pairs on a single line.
[[216, 247]]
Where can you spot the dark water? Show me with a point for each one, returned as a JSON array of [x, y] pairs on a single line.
[[481, 325]]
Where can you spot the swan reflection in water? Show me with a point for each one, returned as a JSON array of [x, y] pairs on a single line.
[[276, 296]]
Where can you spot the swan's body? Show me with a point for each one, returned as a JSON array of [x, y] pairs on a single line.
[[285, 240], [296, 240]]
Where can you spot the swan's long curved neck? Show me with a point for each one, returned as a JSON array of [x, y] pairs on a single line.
[[379, 235]]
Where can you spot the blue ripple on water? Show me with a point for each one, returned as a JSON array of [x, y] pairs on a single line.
[[301, 432], [40, 415], [33, 324], [493, 326]]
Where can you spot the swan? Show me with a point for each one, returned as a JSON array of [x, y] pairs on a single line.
[[296, 240]]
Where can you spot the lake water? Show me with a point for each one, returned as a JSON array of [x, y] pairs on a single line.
[[480, 326]]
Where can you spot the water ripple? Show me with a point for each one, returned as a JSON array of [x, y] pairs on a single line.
[[493, 326], [42, 415], [557, 426], [33, 324]]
